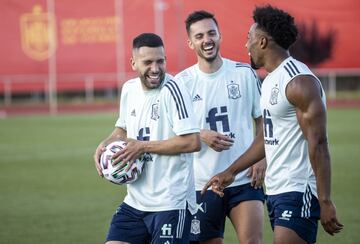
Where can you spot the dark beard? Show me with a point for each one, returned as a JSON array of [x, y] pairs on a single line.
[[210, 60], [145, 82], [253, 65]]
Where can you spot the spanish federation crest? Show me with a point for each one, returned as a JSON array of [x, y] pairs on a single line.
[[233, 90], [155, 111], [38, 37], [274, 95], [195, 227]]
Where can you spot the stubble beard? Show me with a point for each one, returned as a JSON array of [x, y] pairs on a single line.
[[253, 65], [212, 58]]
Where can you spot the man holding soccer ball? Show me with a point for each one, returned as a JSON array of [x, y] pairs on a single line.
[[156, 117]]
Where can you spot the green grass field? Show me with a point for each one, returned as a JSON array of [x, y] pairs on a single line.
[[50, 192]]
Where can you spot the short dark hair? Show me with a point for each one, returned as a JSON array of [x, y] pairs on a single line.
[[276, 23], [197, 16], [147, 40]]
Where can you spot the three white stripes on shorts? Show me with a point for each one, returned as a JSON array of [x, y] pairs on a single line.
[[181, 223], [305, 209]]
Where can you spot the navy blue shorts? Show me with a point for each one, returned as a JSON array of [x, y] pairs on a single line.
[[137, 227], [297, 211], [209, 221]]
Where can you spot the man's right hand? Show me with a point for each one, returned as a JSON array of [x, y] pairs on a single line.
[[219, 182], [215, 140], [328, 218]]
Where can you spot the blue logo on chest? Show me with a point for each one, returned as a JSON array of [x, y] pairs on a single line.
[[233, 90]]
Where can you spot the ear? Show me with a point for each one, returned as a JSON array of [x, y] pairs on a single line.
[[264, 41], [133, 63], [190, 44]]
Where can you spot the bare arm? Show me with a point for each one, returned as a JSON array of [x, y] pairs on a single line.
[[178, 144], [117, 134], [257, 171], [304, 93], [254, 153]]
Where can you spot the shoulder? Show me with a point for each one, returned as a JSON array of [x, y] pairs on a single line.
[[186, 75], [128, 87], [293, 68], [172, 86], [130, 84], [303, 89], [240, 68]]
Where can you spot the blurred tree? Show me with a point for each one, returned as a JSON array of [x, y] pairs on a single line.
[[312, 47]]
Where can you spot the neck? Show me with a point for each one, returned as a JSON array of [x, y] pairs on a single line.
[[274, 58], [210, 67]]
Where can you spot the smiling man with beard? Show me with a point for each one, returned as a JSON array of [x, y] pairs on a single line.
[[225, 97], [156, 117]]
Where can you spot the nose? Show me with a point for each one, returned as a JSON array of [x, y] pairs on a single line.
[[207, 38], [154, 68]]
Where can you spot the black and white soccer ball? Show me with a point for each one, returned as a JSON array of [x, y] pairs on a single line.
[[116, 174]]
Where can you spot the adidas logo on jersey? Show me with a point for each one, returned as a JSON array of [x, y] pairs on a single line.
[[133, 113], [197, 98]]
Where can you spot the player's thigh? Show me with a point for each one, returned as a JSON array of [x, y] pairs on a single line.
[[209, 221], [284, 235], [248, 220], [294, 212], [171, 227], [246, 211], [210, 241], [116, 242], [127, 218]]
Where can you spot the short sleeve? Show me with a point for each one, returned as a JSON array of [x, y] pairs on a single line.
[[178, 105], [121, 121]]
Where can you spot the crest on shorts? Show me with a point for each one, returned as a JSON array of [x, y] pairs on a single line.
[[233, 90], [155, 111], [195, 226], [274, 95]]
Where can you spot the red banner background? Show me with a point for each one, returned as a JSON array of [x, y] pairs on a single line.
[[87, 34]]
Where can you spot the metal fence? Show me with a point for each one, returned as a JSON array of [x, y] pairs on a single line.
[[99, 84]]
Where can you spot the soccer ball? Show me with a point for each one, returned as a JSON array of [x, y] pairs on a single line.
[[116, 174]]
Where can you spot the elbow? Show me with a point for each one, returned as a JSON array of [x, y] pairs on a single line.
[[197, 146], [319, 142], [194, 144]]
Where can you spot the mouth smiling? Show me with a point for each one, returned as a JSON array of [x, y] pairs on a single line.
[[208, 48], [153, 78]]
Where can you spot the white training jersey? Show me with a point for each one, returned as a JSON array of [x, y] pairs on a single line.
[[287, 154], [167, 182], [226, 101]]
